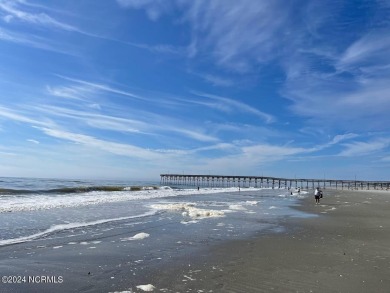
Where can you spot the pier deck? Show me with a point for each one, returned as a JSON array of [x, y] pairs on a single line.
[[267, 182]]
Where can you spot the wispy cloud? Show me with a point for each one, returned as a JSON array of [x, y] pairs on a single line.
[[33, 141], [31, 14], [234, 33], [217, 80], [196, 135], [22, 117], [34, 42], [112, 147], [71, 92], [98, 120], [364, 148], [11, 7], [102, 87], [341, 137], [154, 8], [253, 157], [234, 105], [370, 48], [237, 33], [145, 123], [162, 48]]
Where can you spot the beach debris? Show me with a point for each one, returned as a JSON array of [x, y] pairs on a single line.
[[146, 288], [189, 278]]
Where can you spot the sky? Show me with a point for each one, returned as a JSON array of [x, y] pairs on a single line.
[[130, 89]]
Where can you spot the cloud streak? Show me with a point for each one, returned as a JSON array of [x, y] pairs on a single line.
[[42, 19], [112, 147], [233, 105]]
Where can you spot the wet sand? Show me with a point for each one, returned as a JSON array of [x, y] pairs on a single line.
[[345, 249]]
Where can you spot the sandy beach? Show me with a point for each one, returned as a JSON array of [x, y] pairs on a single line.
[[344, 249]]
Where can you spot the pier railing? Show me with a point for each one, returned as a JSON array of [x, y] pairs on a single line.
[[267, 182]]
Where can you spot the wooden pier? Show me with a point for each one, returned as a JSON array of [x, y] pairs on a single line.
[[267, 182]]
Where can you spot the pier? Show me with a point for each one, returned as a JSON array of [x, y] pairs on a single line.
[[268, 182]]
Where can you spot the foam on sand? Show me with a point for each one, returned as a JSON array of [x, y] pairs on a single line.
[[146, 288], [189, 210], [138, 236]]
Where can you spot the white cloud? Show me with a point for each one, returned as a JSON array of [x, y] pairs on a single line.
[[370, 48], [112, 147], [43, 19], [193, 134], [237, 33], [154, 8], [162, 48], [33, 42], [147, 124], [227, 103], [103, 87], [97, 120], [15, 116], [251, 157], [71, 92], [217, 80], [33, 141], [364, 148], [342, 137]]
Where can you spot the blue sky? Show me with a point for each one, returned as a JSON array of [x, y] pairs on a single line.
[[132, 88]]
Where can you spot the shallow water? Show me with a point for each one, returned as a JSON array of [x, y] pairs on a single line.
[[137, 233], [34, 209]]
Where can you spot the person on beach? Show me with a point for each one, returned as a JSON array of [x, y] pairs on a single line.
[[317, 195]]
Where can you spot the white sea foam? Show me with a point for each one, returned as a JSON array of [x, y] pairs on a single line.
[[237, 207], [45, 201], [68, 226], [188, 222], [189, 210], [138, 236], [146, 288]]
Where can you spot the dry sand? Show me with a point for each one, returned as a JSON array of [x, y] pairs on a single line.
[[345, 249]]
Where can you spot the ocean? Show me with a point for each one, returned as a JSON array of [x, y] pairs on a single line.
[[143, 222]]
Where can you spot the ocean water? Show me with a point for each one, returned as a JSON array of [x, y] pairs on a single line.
[[118, 236], [38, 209]]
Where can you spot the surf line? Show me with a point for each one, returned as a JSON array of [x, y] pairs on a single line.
[[63, 227]]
